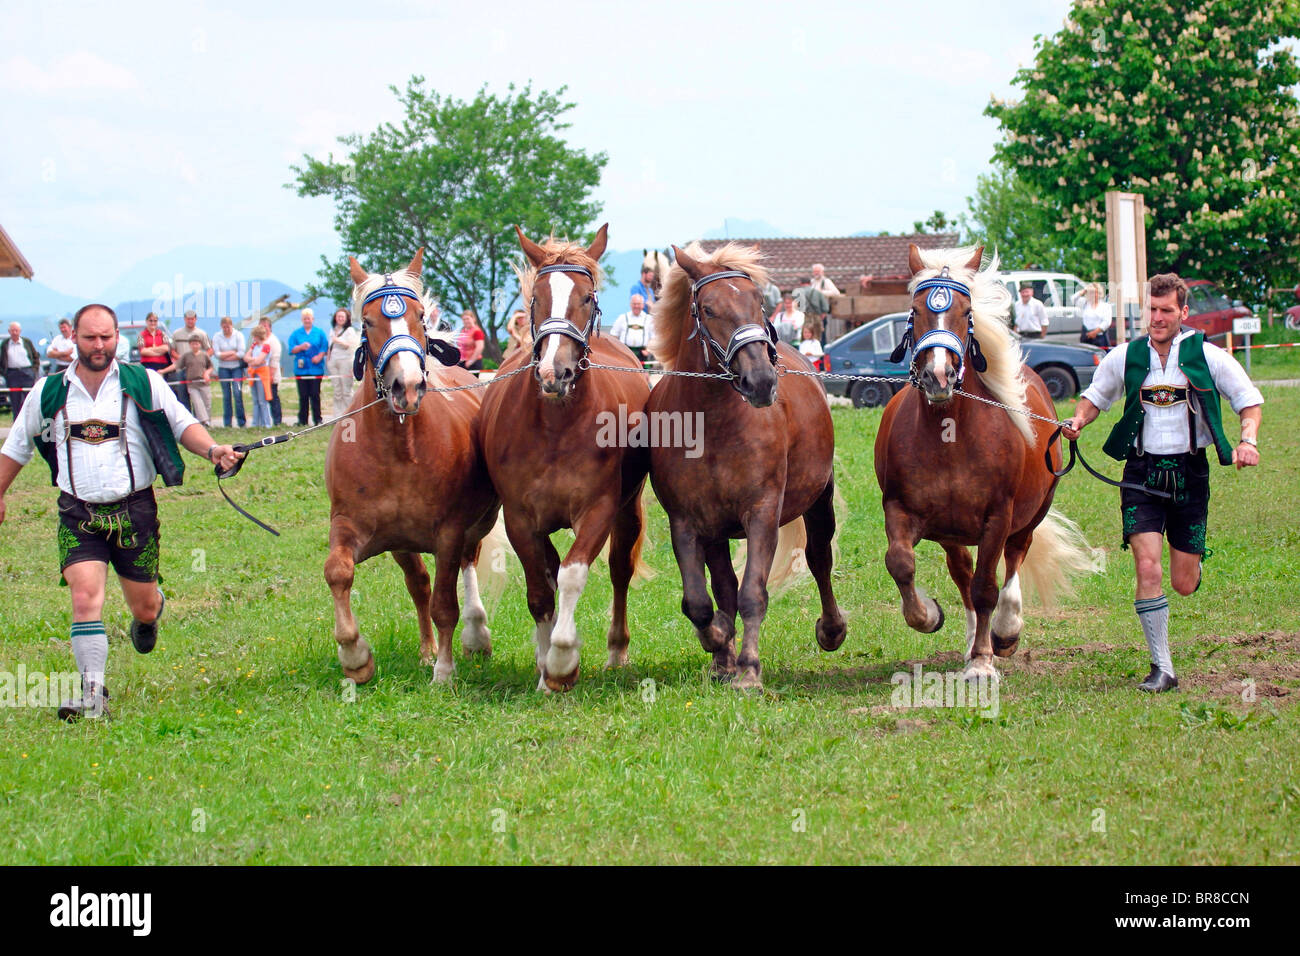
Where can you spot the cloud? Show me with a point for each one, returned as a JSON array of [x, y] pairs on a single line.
[[80, 71]]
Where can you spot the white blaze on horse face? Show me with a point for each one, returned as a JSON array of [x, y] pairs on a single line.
[[561, 287], [939, 358]]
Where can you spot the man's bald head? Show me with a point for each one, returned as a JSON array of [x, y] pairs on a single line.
[[94, 307]]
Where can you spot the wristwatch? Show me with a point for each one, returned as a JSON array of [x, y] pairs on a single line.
[[1249, 441], [210, 451]]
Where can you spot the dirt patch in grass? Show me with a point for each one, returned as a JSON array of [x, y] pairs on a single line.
[[1271, 660]]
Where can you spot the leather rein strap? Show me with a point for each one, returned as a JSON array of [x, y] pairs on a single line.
[[1075, 453]]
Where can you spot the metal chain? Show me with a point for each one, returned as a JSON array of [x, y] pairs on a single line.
[[483, 384]]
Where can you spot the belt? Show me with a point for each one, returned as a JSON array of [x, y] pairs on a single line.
[[94, 432], [1164, 396]]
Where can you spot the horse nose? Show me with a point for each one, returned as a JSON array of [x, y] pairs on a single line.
[[930, 382], [760, 388]]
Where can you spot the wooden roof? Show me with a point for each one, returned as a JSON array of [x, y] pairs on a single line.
[[846, 259], [12, 262]]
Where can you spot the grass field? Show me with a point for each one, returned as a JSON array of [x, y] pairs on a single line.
[[237, 742]]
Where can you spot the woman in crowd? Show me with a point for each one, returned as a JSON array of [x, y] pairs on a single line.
[[470, 341], [344, 340], [1096, 317]]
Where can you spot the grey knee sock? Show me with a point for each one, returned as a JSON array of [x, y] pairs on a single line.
[[90, 648], [1154, 615]]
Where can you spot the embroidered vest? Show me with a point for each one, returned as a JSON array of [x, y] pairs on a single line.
[[1201, 394], [157, 430]]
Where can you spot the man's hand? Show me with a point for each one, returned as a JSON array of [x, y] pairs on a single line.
[[2, 509], [1072, 427], [225, 457], [1245, 455]]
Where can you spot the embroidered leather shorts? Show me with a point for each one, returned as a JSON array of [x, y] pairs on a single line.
[[1181, 518], [121, 533]]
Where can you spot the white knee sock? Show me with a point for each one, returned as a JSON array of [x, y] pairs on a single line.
[[1154, 615], [90, 648]]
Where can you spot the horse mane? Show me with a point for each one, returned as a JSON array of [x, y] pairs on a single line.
[[672, 311], [557, 251], [990, 303]]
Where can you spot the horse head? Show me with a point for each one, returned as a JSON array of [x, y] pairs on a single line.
[[563, 312], [727, 306], [390, 311], [942, 327]]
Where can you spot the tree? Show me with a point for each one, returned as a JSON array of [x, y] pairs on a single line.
[[455, 177], [1190, 103], [1008, 217], [938, 222]]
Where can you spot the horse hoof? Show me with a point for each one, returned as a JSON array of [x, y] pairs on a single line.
[[443, 677], [938, 626], [485, 651], [981, 669], [617, 658], [829, 638], [560, 684], [711, 638], [1005, 646], [362, 674], [747, 681]]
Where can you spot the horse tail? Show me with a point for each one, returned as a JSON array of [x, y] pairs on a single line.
[[493, 564], [640, 570], [788, 563], [1057, 554]]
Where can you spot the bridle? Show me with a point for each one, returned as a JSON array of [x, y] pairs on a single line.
[[560, 324], [393, 307], [939, 300], [744, 335]]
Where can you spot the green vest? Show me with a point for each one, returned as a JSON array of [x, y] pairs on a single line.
[[1191, 361], [157, 430]]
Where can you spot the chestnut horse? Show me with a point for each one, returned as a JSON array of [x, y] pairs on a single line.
[[550, 459], [961, 472], [764, 459], [404, 476]]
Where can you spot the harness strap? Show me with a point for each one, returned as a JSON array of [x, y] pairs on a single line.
[[1075, 453], [744, 335]]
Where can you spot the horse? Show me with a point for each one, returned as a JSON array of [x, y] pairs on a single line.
[[404, 475], [964, 473], [765, 459], [554, 462], [658, 263]]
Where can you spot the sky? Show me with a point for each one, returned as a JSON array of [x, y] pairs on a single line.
[[133, 130]]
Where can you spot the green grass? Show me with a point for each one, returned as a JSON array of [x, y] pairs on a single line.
[[234, 742], [1272, 363]]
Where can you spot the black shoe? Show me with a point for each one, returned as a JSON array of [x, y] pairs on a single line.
[[93, 703], [145, 636], [1158, 681]]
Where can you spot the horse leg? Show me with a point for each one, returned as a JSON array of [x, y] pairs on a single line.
[[1007, 621], [475, 637], [962, 569], [537, 555], [354, 653], [417, 585], [761, 529], [819, 520], [696, 603], [590, 532], [622, 545], [984, 597], [722, 631], [921, 611], [446, 608]]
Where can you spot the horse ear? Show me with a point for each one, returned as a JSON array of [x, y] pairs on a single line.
[[359, 275], [914, 258], [417, 263], [975, 260], [531, 249], [689, 265], [597, 247]]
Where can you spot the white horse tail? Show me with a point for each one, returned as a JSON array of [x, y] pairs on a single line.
[[1057, 555], [495, 560]]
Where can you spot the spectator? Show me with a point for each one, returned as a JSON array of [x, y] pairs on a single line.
[[645, 287], [470, 341], [344, 342], [1031, 317], [196, 370], [519, 334], [180, 346], [788, 321], [258, 361], [62, 349], [812, 348], [820, 283], [229, 347], [19, 366], [277, 373], [155, 346], [634, 329], [308, 346], [1096, 317], [771, 298]]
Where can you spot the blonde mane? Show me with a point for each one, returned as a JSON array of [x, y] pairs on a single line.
[[557, 251], [990, 303], [672, 312]]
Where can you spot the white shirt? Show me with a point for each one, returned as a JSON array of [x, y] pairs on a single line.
[[812, 348], [1030, 316], [1164, 429], [632, 330], [18, 355], [100, 470], [276, 348], [825, 286], [233, 343], [789, 325], [61, 343], [1096, 316]]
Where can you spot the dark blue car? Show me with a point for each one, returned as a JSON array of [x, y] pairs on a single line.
[[1064, 368]]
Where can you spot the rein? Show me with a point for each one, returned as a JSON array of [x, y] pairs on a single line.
[[743, 335], [1075, 453]]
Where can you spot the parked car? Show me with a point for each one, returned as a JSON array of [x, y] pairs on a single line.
[[1209, 310], [1065, 368], [1059, 292]]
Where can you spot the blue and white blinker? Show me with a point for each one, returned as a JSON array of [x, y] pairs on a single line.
[[939, 299], [392, 307]]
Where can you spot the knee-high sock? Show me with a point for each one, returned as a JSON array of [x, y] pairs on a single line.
[[90, 648], [1154, 615]]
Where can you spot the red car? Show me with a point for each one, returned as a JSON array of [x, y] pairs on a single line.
[[1209, 310]]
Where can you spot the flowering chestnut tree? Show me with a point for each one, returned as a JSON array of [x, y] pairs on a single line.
[[1191, 103]]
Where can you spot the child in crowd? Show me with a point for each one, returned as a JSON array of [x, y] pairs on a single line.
[[196, 366]]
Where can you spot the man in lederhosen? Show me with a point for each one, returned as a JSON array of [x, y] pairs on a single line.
[[1171, 381], [106, 430]]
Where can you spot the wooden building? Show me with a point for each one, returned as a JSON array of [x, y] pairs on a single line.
[[12, 262]]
